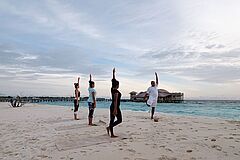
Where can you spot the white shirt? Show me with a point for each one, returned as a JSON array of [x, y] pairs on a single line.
[[90, 98], [153, 95]]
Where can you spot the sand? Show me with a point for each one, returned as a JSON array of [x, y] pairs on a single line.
[[49, 132]]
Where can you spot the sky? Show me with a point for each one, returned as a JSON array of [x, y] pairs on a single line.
[[194, 46]]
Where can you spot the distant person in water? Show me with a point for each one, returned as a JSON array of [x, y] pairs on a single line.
[[91, 100], [76, 99], [152, 94], [115, 106]]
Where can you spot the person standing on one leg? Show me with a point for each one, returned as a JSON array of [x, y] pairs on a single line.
[[76, 99], [91, 100], [152, 92], [115, 106]]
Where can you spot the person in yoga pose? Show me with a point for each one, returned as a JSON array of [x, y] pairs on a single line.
[[115, 111], [76, 99], [91, 100], [152, 93]]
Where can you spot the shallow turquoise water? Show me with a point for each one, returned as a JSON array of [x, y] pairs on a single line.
[[221, 109]]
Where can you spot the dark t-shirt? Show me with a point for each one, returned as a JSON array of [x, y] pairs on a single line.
[[77, 92]]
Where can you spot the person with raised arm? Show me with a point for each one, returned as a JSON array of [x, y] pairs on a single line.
[[91, 100], [152, 93], [76, 99], [115, 111]]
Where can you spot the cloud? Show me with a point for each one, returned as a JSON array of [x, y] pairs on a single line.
[[51, 42], [210, 67], [214, 46], [73, 20], [25, 56], [50, 17]]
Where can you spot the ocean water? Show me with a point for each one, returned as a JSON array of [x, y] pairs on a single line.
[[222, 109]]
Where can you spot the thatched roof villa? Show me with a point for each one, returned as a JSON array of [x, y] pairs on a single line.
[[163, 96]]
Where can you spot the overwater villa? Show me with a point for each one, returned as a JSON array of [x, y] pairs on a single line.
[[163, 96]]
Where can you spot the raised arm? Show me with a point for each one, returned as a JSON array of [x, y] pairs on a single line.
[[114, 73], [78, 81], [156, 78], [90, 77]]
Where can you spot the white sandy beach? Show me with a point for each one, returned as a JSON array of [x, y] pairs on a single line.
[[49, 132]]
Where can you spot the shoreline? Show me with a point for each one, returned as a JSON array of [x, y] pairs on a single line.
[[45, 132], [163, 113]]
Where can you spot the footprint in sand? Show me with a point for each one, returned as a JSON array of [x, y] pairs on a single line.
[[189, 151], [131, 150], [44, 149], [42, 156], [179, 139], [7, 152], [102, 122], [154, 146], [164, 157], [168, 149], [217, 147], [235, 134]]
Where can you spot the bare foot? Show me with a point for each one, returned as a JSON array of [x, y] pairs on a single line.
[[107, 130]]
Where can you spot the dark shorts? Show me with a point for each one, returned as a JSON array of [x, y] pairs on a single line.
[[76, 106], [91, 109]]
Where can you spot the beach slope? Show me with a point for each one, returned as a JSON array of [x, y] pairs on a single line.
[[49, 132]]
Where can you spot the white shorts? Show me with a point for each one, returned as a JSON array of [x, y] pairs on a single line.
[[152, 103]]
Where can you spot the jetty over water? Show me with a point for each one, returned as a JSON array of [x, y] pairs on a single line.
[[164, 97], [36, 99], [49, 99]]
